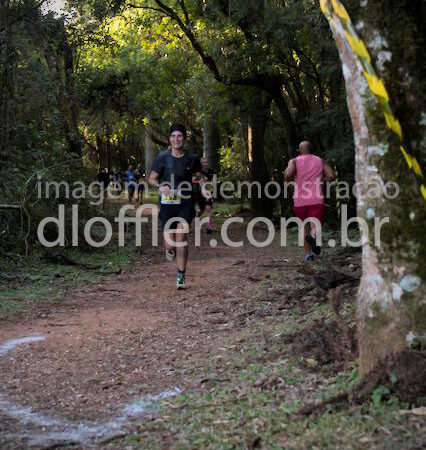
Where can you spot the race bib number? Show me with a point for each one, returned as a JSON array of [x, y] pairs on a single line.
[[172, 198]]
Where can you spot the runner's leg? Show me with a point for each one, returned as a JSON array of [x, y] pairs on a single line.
[[169, 239], [141, 193], [201, 206], [313, 231], [130, 193], [317, 212], [307, 246], [181, 251], [209, 213], [104, 194]]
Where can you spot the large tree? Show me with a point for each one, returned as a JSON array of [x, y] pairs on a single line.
[[383, 50]]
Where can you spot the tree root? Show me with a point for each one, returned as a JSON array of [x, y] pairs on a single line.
[[334, 297], [402, 374]]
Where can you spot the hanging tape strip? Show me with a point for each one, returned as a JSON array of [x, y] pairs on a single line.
[[376, 84]]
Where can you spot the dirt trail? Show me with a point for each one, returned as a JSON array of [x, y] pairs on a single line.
[[108, 345]]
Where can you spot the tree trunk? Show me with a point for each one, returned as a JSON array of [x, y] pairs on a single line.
[[59, 57], [99, 149], [7, 64], [149, 152], [291, 141], [259, 106], [211, 142], [258, 109], [391, 307], [74, 139]]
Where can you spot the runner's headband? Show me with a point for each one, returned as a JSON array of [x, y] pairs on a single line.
[[178, 127]]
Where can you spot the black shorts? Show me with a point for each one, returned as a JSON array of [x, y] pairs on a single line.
[[184, 211], [203, 202]]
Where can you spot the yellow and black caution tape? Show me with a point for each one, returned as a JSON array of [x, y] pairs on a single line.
[[337, 190], [376, 84]]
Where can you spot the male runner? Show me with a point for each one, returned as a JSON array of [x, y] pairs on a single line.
[[172, 172], [103, 179], [115, 183], [205, 204], [131, 181], [140, 174], [308, 172]]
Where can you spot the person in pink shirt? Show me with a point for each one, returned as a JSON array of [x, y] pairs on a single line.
[[308, 172]]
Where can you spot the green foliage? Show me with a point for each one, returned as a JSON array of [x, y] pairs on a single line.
[[114, 72], [36, 279], [233, 162], [165, 80], [379, 393]]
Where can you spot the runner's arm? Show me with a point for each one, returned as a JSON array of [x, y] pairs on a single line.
[[290, 172], [328, 172], [201, 180], [153, 181]]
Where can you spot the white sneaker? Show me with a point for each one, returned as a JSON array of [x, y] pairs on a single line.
[[170, 255]]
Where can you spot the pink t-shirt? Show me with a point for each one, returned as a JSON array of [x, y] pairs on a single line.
[[308, 180]]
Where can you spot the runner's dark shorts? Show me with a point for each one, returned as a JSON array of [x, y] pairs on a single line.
[[185, 211], [203, 202], [140, 188]]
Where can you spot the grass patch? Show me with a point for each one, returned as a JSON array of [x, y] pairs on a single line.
[[252, 394], [35, 279], [227, 209], [261, 419], [11, 307]]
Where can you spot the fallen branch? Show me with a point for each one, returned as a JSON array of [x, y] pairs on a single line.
[[5, 206], [318, 408], [207, 405], [60, 258], [279, 265], [112, 272], [111, 290]]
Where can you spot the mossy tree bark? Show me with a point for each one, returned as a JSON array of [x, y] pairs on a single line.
[[391, 300], [149, 148], [60, 60], [8, 58], [211, 141], [259, 106]]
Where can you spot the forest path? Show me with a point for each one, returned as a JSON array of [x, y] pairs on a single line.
[[107, 348]]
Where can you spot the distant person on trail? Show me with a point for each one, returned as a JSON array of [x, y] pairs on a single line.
[[131, 181], [204, 204], [308, 171], [140, 176], [115, 182], [103, 179], [171, 173]]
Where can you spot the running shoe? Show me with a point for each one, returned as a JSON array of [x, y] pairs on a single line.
[[309, 257], [313, 243], [180, 281], [170, 255]]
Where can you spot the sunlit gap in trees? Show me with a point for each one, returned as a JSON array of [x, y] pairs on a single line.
[[53, 6]]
